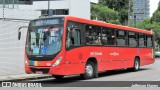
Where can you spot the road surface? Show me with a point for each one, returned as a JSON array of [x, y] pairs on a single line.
[[147, 73]]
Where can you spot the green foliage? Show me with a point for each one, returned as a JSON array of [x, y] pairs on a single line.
[[148, 25], [145, 24], [104, 13], [153, 23], [156, 17], [121, 6]]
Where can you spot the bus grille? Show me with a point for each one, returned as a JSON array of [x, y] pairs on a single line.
[[44, 70]]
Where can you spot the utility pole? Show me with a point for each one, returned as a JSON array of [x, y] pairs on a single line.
[[48, 7], [3, 7], [13, 4], [135, 18], [129, 10]]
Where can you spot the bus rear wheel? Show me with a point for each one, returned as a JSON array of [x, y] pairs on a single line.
[[90, 70], [136, 66], [58, 77]]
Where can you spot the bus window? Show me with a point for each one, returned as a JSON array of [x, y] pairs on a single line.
[[104, 36], [149, 41], [132, 39], [73, 37], [141, 40], [121, 38], [108, 36], [73, 34], [93, 35]]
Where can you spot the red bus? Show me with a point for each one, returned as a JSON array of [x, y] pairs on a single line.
[[67, 45]]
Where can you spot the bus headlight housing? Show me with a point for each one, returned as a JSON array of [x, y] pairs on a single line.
[[26, 62], [57, 61]]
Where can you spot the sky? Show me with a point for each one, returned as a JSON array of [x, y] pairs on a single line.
[[153, 5]]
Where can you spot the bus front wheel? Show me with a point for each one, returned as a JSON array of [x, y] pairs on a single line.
[[90, 70]]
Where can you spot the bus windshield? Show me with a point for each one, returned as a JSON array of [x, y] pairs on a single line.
[[44, 39]]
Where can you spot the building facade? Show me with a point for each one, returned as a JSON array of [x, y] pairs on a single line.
[[30, 9], [141, 10], [17, 13]]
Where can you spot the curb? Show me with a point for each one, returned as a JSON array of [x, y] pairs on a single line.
[[24, 78]]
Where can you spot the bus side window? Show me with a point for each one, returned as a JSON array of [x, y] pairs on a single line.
[[141, 40], [121, 38], [132, 39], [149, 41], [111, 37], [75, 36], [68, 38], [93, 35]]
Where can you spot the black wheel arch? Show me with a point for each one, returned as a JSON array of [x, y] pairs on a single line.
[[138, 59], [94, 60]]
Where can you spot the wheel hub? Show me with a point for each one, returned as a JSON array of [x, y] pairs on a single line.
[[136, 65], [89, 70]]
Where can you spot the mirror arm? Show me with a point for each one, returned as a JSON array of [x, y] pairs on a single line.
[[22, 27], [19, 32]]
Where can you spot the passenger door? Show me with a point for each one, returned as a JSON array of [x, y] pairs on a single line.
[[73, 44]]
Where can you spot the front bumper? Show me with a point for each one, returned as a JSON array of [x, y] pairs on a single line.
[[57, 70]]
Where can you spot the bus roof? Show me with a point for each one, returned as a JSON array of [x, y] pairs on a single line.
[[55, 16], [104, 24], [98, 23]]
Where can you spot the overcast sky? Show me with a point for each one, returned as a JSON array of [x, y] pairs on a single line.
[[153, 5]]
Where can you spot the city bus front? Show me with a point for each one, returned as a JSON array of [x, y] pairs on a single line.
[[43, 50]]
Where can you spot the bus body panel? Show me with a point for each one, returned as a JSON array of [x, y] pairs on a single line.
[[108, 57]]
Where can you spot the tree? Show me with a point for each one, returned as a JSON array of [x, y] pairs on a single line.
[[121, 6], [156, 17], [147, 25], [104, 13]]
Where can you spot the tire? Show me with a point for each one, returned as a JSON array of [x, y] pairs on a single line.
[[58, 77], [90, 70], [136, 66]]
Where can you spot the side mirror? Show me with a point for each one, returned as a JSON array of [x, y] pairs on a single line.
[[19, 32], [19, 35]]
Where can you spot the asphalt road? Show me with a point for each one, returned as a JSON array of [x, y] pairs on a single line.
[[147, 73]]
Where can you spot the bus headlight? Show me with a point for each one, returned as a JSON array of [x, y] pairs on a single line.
[[57, 61], [26, 62]]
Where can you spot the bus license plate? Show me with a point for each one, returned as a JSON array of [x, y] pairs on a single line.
[[39, 72]]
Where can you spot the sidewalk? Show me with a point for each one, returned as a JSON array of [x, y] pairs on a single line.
[[23, 77]]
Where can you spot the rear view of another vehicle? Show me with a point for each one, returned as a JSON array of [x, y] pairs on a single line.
[[157, 53]]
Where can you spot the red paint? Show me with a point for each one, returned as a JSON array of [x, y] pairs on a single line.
[[108, 58]]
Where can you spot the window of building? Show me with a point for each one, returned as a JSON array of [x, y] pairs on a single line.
[[25, 1], [93, 35], [132, 39], [61, 12], [121, 38], [55, 12], [9, 3]]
